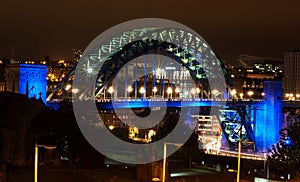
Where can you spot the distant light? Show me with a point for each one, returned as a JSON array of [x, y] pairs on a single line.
[[170, 68], [297, 95], [75, 90], [61, 61], [241, 95], [215, 92], [233, 92], [156, 179], [232, 170], [193, 91], [250, 93], [110, 90], [154, 89], [90, 70], [262, 94], [232, 76], [142, 90], [177, 90], [288, 141], [68, 87], [169, 90], [111, 127], [129, 89]]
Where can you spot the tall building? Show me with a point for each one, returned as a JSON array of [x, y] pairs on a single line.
[[291, 81]]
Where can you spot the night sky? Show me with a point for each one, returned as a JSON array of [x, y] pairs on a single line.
[[36, 28]]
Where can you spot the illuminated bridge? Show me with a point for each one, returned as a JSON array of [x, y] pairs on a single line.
[[173, 68]]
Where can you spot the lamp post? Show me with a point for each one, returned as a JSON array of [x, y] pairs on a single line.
[[36, 158], [239, 154], [239, 161], [165, 158]]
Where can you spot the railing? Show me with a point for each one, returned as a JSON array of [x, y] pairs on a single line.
[[249, 155]]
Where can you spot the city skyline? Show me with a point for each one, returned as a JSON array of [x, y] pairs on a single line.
[[34, 29]]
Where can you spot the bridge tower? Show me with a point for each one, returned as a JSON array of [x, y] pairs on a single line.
[[268, 119]]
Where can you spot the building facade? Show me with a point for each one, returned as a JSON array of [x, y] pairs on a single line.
[[252, 72], [29, 79], [291, 81]]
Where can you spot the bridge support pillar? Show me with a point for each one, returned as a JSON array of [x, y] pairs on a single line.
[[268, 120]]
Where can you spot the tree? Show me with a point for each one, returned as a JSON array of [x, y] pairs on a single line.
[[285, 155]]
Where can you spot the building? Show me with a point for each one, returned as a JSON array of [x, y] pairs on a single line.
[[291, 81], [249, 77], [28, 79]]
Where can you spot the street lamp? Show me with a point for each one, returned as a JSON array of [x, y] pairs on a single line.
[[165, 158], [75, 91], [297, 96], [36, 157], [170, 91], [241, 95], [177, 90], [154, 91], [215, 92], [250, 93], [287, 95], [110, 90], [129, 89], [68, 87], [233, 92], [142, 91], [193, 92]]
